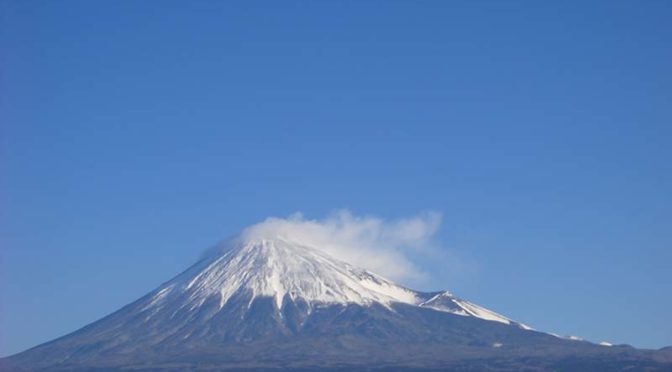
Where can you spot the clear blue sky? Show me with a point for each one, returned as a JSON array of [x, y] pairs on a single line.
[[136, 134]]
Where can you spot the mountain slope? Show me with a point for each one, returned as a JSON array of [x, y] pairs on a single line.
[[272, 302]]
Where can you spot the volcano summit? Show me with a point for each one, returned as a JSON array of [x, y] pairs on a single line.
[[276, 303]]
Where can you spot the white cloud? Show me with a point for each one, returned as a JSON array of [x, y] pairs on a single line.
[[384, 247]]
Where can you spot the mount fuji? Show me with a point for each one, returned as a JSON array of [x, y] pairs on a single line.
[[274, 303]]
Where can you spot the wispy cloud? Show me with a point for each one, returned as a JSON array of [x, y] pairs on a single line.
[[383, 246]]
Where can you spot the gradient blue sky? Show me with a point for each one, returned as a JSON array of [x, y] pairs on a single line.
[[136, 134]]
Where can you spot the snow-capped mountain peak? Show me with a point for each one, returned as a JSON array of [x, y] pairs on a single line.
[[278, 268], [278, 301], [288, 271]]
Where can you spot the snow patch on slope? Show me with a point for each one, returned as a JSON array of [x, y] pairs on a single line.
[[445, 301]]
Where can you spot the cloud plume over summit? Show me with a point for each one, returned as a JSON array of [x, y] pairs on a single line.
[[382, 246]]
